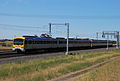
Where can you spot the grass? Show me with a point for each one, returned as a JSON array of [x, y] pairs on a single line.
[[47, 69], [108, 72], [6, 45]]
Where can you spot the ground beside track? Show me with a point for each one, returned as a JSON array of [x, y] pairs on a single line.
[[92, 73], [107, 72], [11, 57], [50, 68]]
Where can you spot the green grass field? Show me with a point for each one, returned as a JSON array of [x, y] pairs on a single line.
[[50, 68]]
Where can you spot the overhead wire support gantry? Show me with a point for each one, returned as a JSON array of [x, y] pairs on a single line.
[[115, 34], [65, 24]]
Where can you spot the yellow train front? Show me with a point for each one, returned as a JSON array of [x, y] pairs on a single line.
[[19, 44]]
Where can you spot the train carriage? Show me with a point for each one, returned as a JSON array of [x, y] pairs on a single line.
[[101, 43], [26, 43]]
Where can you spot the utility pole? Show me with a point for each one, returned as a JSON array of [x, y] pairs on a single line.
[[117, 39], [67, 25], [107, 42], [97, 35], [67, 49], [50, 29]]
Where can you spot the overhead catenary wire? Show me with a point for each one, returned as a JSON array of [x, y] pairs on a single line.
[[22, 28]]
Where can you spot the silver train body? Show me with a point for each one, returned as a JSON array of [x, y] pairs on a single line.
[[35, 43]]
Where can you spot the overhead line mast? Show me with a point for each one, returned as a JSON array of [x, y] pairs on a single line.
[[66, 24], [115, 34]]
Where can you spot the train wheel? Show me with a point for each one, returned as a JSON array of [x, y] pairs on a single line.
[[19, 51]]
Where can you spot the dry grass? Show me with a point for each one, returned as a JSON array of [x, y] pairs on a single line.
[[108, 72], [54, 70], [5, 48], [6, 45], [46, 69]]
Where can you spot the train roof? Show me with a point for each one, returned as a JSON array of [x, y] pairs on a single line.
[[32, 37], [19, 37], [83, 38], [70, 39], [100, 40]]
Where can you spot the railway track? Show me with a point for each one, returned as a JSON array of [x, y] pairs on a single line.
[[14, 57], [9, 55]]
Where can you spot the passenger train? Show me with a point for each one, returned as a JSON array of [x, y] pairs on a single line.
[[28, 43]]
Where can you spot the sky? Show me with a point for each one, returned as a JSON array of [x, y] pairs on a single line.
[[31, 17]]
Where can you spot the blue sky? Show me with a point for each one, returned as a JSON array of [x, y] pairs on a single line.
[[86, 17]]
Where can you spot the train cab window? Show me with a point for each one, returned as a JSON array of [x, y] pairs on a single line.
[[18, 41]]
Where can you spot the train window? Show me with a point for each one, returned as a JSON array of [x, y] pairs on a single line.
[[62, 42], [27, 42], [54, 42], [40, 42], [48, 42], [37, 42], [72, 42], [51, 42], [18, 41], [32, 42], [44, 42], [76, 42]]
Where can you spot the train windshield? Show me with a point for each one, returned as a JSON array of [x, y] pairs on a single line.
[[18, 41]]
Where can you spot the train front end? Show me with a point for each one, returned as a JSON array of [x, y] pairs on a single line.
[[19, 44]]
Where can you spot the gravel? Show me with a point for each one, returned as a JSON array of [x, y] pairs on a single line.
[[46, 55]]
